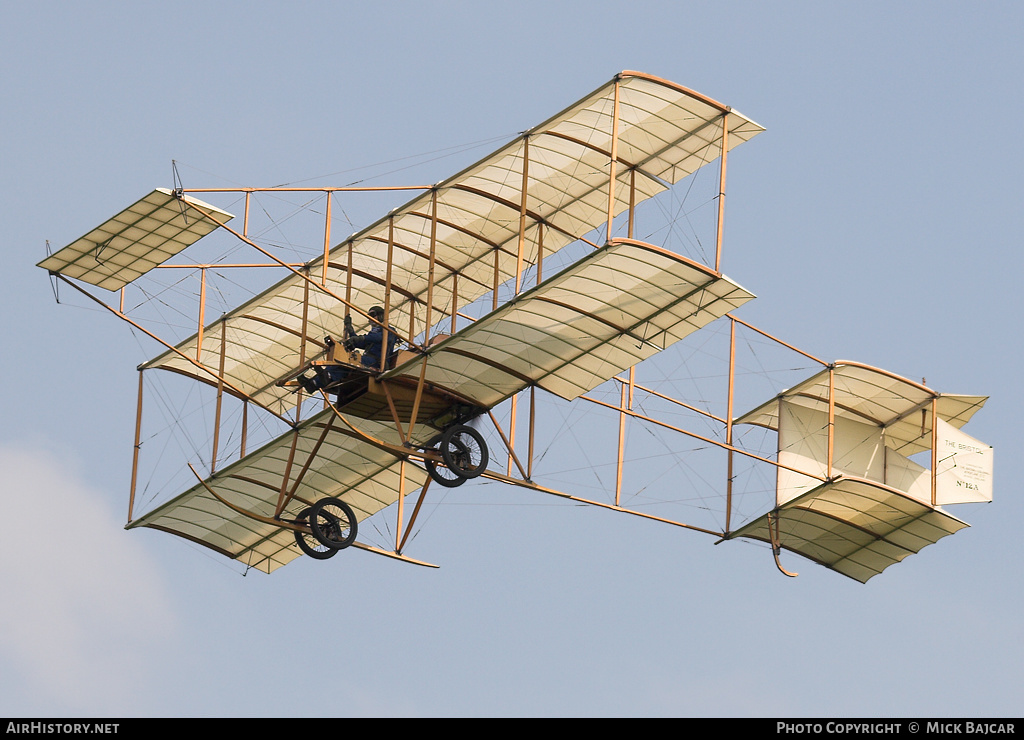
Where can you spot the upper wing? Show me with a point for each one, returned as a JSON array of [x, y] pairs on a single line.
[[614, 308], [470, 223], [326, 460]]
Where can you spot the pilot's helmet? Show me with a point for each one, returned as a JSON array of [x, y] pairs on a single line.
[[376, 312]]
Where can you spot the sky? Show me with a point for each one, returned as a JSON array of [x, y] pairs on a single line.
[[877, 219]]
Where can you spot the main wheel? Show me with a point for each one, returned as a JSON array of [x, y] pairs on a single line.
[[333, 523], [464, 451], [442, 475], [308, 543]]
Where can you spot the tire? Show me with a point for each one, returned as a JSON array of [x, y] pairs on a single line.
[[333, 523], [443, 476], [464, 451], [308, 543]]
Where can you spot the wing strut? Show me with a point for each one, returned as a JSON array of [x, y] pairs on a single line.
[[415, 513]]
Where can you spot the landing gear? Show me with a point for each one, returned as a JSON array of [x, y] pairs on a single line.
[[333, 523], [464, 453], [308, 543], [443, 476]]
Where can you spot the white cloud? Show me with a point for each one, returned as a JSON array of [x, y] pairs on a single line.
[[80, 599]]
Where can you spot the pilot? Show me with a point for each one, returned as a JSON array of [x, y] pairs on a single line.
[[373, 341], [371, 344]]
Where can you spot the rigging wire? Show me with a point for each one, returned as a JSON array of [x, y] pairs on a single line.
[[442, 153]]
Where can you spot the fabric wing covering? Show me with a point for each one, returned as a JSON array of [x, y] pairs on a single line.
[[339, 465], [604, 314], [146, 234], [855, 527], [877, 509], [470, 223]]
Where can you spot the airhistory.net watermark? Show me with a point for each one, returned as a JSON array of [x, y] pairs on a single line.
[[62, 728]]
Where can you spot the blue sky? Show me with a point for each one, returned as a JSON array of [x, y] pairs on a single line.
[[878, 219]]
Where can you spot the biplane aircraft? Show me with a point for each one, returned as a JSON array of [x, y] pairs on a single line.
[[363, 435]]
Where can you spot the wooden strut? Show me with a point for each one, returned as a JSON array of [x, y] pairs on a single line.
[[303, 335], [328, 190], [533, 419], [561, 494], [765, 334], [386, 387], [135, 451], [245, 428], [202, 311], [220, 396], [432, 262], [415, 513], [386, 335], [287, 473], [935, 448], [508, 446], [510, 443], [401, 503], [327, 240], [420, 385], [223, 265], [728, 425], [614, 160], [623, 393], [831, 420], [721, 192]]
